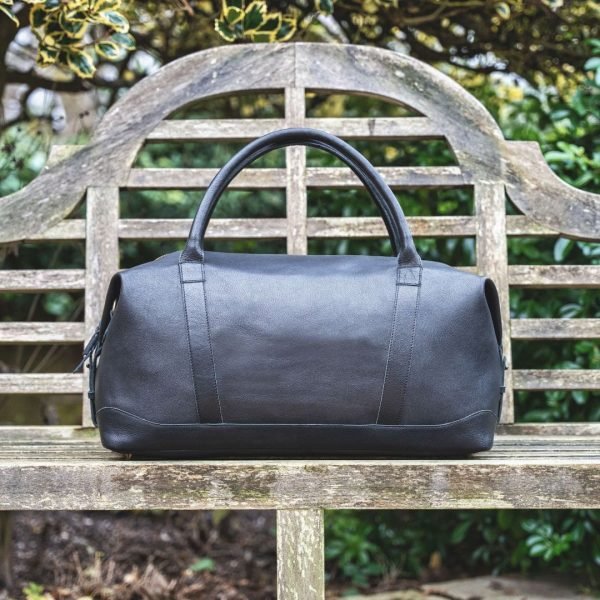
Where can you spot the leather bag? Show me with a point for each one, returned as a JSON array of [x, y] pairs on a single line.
[[212, 354]]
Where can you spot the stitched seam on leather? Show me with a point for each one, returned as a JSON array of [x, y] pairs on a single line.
[[189, 336], [389, 352], [267, 425], [402, 399], [212, 356]]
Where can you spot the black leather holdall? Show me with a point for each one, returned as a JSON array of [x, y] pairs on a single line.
[[212, 354]]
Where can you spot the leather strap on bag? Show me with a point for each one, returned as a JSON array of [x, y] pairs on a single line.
[[393, 217]]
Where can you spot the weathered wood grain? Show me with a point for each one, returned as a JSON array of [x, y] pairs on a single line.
[[555, 329], [554, 276], [317, 177], [74, 229], [541, 195], [27, 280], [296, 175], [492, 261], [243, 130], [521, 474], [101, 260], [556, 379], [41, 383], [300, 555], [35, 332]]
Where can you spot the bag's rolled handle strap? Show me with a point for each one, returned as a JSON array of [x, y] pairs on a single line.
[[394, 219]]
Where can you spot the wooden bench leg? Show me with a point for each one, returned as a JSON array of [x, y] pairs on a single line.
[[5, 548], [300, 555]]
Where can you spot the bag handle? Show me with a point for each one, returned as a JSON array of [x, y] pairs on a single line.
[[393, 217]]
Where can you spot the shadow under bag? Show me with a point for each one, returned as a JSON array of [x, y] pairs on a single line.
[[211, 354]]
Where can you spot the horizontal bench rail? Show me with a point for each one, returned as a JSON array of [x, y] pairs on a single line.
[[330, 227], [519, 472], [243, 130]]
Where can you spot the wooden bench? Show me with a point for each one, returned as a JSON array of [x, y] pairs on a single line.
[[531, 465]]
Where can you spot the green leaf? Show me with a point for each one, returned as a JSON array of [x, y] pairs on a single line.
[[324, 6], [203, 564], [287, 29], [591, 64], [113, 18], [254, 15], [52, 4], [459, 533], [109, 50], [81, 63], [71, 24], [233, 15], [562, 248], [223, 29], [47, 56], [125, 40], [38, 16]]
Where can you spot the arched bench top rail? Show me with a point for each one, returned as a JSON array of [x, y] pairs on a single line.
[[482, 153]]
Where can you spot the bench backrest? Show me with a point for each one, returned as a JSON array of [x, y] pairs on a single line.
[[492, 166]]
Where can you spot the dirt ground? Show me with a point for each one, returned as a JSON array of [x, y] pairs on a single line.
[[145, 556]]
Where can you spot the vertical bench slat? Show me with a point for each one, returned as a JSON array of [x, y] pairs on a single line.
[[101, 259], [492, 260], [300, 555], [295, 160]]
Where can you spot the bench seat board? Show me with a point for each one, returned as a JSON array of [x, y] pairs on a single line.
[[69, 470]]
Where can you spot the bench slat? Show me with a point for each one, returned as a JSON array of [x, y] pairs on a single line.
[[523, 379], [41, 383], [242, 130], [556, 379], [317, 177], [33, 332], [519, 472], [554, 329], [41, 280], [147, 229]]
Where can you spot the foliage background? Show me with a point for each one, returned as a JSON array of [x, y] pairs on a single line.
[[536, 67]]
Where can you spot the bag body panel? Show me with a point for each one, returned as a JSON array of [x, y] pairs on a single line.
[[131, 434], [271, 314], [300, 339]]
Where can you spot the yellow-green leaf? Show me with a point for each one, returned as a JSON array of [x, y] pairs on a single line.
[[287, 30], [102, 5], [47, 56], [38, 15], [124, 40], [74, 27], [52, 4], [9, 14], [109, 50], [81, 63], [224, 30], [254, 15], [114, 19], [503, 10], [324, 6]]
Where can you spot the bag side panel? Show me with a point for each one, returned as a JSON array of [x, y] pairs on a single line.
[[456, 367], [144, 367]]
